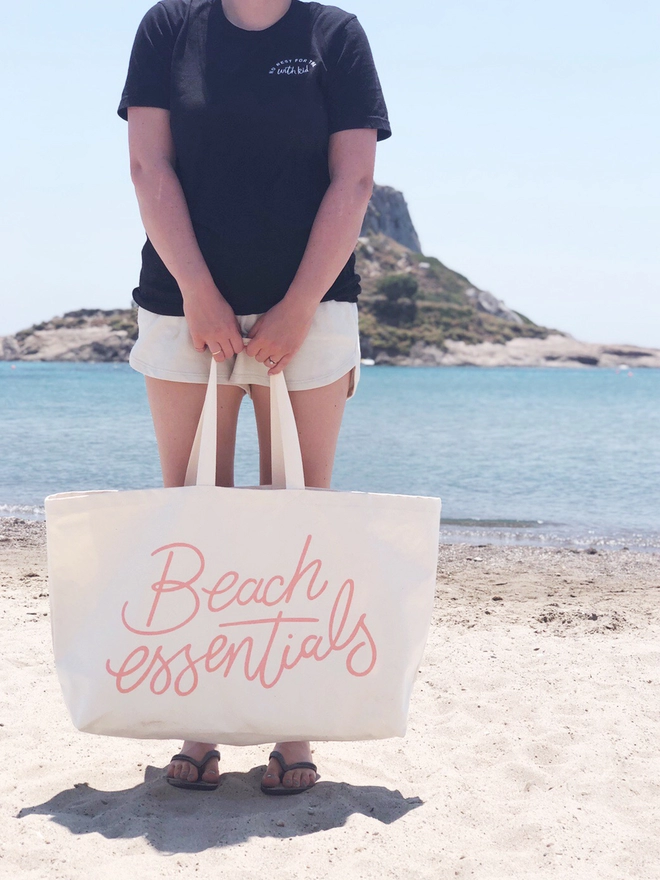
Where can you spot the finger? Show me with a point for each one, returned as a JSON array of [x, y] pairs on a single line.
[[236, 343], [229, 346], [256, 350], [236, 339], [218, 352], [254, 329], [198, 343], [254, 346], [280, 365]]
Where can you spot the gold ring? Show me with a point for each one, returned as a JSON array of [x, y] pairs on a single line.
[[219, 351]]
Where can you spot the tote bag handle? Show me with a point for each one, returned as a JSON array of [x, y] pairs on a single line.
[[286, 460]]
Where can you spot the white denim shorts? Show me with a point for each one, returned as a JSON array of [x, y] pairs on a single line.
[[164, 350]]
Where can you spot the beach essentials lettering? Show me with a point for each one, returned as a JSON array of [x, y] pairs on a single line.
[[262, 645]]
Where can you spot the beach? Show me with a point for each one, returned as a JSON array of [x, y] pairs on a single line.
[[532, 747]]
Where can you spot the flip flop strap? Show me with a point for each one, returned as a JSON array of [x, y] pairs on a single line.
[[200, 765], [299, 765]]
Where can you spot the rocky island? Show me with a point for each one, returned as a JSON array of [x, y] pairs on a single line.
[[414, 311]]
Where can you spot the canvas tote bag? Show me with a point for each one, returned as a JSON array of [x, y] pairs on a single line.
[[241, 615]]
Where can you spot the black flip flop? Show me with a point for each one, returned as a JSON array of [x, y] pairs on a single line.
[[281, 789], [199, 784]]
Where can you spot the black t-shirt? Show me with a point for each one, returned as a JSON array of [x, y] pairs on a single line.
[[251, 113]]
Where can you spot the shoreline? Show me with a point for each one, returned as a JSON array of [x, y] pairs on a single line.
[[102, 344], [475, 532], [555, 351]]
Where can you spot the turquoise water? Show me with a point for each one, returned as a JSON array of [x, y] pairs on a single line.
[[517, 455]]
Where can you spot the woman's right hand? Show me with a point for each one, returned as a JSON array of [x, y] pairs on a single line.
[[212, 323]]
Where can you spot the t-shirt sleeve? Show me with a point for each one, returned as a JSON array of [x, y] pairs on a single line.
[[148, 80], [355, 98]]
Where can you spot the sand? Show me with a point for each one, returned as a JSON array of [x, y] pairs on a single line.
[[533, 747]]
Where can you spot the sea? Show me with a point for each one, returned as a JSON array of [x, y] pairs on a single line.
[[546, 457]]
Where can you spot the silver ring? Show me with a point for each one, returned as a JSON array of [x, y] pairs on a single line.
[[270, 361]]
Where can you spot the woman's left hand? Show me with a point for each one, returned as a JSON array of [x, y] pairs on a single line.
[[278, 334]]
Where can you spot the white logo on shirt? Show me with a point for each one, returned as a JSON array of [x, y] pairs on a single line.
[[293, 66]]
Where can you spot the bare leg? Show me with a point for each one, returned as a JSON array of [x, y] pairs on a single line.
[[175, 409], [318, 415]]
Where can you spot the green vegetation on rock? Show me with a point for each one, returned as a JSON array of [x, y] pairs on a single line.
[[410, 298]]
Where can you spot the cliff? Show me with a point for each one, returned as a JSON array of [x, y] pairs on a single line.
[[387, 214]]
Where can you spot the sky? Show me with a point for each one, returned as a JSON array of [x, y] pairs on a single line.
[[526, 137]]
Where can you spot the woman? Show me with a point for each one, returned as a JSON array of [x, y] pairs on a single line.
[[252, 133]]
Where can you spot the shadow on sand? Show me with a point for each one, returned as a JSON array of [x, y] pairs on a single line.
[[177, 821]]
